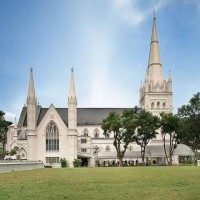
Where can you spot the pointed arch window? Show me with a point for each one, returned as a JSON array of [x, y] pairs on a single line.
[[158, 105], [130, 148], [107, 148], [85, 132], [164, 105], [96, 133], [52, 137], [152, 105]]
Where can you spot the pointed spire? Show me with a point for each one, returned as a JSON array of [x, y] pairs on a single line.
[[169, 77], [31, 92], [72, 92], [15, 123], [154, 70]]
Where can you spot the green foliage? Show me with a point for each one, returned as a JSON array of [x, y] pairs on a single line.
[[3, 129], [146, 130], [133, 125], [63, 162], [123, 127], [77, 162], [190, 115], [13, 152], [97, 163], [170, 125], [3, 153]]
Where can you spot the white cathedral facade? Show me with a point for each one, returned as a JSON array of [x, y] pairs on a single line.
[[49, 134]]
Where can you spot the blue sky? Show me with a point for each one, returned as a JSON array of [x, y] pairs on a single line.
[[106, 41]]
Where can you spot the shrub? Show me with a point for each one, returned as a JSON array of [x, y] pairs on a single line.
[[97, 163], [77, 162], [13, 152], [3, 154], [63, 162]]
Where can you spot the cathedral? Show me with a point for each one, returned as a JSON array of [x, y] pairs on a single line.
[[49, 134]]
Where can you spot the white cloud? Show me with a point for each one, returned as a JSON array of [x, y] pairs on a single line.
[[10, 116], [133, 13], [99, 60]]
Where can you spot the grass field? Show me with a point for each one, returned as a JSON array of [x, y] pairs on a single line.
[[103, 183]]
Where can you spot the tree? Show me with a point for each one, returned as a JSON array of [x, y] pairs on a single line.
[[170, 125], [147, 126], [123, 127], [3, 129], [190, 115]]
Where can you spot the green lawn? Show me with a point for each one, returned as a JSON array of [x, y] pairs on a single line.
[[103, 183]]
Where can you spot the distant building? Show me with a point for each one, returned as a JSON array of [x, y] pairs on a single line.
[[49, 134]]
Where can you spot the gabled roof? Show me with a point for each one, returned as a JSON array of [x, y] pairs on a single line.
[[85, 116]]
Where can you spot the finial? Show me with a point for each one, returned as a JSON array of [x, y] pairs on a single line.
[[15, 124], [72, 69], [154, 14], [31, 69]]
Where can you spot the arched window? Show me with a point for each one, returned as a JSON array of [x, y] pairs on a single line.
[[164, 105], [52, 137], [107, 135], [85, 132], [130, 148], [158, 105], [96, 133], [107, 148], [22, 155], [152, 105]]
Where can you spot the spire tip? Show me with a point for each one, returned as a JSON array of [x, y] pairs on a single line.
[[154, 14], [72, 69]]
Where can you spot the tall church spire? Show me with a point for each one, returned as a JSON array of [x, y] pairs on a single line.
[[31, 92], [156, 92], [154, 71]]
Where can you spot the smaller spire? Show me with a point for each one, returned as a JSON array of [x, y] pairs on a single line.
[[31, 91], [15, 123], [169, 77], [72, 91]]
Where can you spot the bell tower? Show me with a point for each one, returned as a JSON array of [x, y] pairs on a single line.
[[156, 92]]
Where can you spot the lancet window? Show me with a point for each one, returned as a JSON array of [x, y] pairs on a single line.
[[164, 105], [130, 148], [158, 105], [52, 137], [96, 133], [152, 105], [107, 148], [85, 132]]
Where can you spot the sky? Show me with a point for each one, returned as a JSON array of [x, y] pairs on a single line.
[[106, 41]]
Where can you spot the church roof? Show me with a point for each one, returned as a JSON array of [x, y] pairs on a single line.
[[85, 116]]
